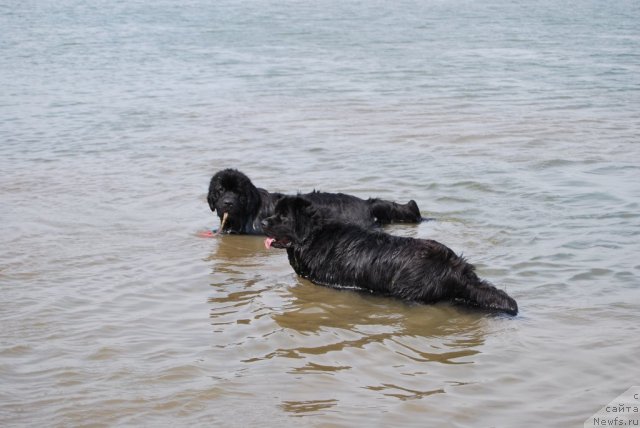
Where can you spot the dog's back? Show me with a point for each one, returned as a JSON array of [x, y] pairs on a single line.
[[232, 195], [345, 208], [412, 269]]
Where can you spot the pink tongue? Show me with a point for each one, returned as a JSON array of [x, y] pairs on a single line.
[[268, 242]]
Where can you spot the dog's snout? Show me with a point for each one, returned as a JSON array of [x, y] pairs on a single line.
[[227, 203], [264, 223]]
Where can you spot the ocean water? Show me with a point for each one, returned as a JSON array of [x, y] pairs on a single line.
[[515, 125]]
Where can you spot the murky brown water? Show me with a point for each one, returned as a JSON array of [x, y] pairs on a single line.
[[114, 312]]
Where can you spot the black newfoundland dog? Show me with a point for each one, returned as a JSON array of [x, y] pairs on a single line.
[[335, 254], [242, 206]]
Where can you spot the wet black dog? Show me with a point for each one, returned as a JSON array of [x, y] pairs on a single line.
[[342, 255], [242, 206]]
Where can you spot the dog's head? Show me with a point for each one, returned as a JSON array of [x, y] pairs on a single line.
[[232, 193], [294, 219]]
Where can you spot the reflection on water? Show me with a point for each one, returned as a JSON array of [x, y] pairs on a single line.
[[404, 393], [234, 250], [307, 408], [314, 333]]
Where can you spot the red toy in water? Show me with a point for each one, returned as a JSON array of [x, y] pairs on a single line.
[[207, 234], [211, 233]]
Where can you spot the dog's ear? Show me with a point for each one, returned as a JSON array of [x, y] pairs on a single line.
[[212, 196], [301, 205], [274, 198], [308, 209], [314, 213], [302, 217]]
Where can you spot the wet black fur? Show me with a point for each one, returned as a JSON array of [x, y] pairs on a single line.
[[233, 192], [336, 254]]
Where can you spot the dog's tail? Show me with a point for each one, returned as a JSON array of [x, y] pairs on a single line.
[[487, 296], [483, 294], [387, 212]]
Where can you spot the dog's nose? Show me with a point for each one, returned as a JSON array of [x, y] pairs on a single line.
[[264, 223], [227, 203]]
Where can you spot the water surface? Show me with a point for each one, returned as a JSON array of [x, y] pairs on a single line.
[[515, 125]]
